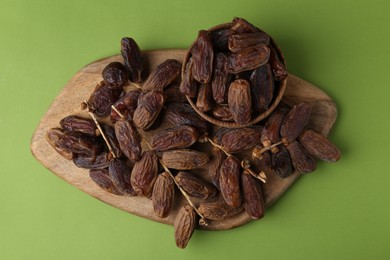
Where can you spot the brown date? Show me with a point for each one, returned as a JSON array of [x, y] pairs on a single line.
[[252, 197], [235, 140], [218, 210], [115, 75], [271, 131], [172, 94], [262, 87], [162, 76], [241, 41], [281, 162], [229, 182], [163, 195], [126, 105], [219, 38], [195, 186], [148, 109], [240, 25], [240, 102], [128, 139], [144, 174], [218, 158], [101, 178], [204, 99], [109, 132], [295, 121], [220, 78], [174, 138], [302, 161], [278, 68], [102, 98], [203, 56], [180, 114], [53, 136], [319, 146], [223, 113], [263, 160], [79, 124], [248, 59], [100, 161], [119, 173], [184, 159], [184, 225], [132, 59], [189, 86], [80, 143]]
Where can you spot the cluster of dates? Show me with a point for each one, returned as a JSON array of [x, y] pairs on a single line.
[[233, 72], [119, 163]]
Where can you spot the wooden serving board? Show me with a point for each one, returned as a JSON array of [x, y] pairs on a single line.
[[81, 85]]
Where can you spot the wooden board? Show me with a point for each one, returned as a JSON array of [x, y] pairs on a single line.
[[81, 85]]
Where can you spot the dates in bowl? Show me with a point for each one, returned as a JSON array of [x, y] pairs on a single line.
[[234, 74]]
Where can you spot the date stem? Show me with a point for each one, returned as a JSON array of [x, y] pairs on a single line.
[[258, 152], [85, 105]]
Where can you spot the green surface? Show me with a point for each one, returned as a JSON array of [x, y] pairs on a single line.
[[341, 211]]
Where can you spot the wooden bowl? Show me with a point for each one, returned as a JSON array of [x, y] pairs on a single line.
[[280, 87]]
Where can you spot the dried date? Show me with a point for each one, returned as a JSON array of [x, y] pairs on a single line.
[[195, 186], [119, 173], [220, 78], [302, 161], [241, 41], [53, 136], [102, 179], [189, 86], [218, 210], [240, 102], [102, 98], [235, 140], [80, 144], [132, 59], [144, 174], [184, 159], [126, 106], [240, 25], [262, 87], [163, 195], [218, 158], [252, 197], [278, 68], [281, 162], [203, 56], [184, 225], [128, 139], [271, 131], [295, 121], [79, 124], [319, 146], [248, 59], [115, 75], [204, 99], [148, 109], [163, 75], [229, 182], [100, 161], [180, 114], [174, 138], [223, 113]]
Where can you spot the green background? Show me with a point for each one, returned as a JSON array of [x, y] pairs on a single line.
[[341, 211]]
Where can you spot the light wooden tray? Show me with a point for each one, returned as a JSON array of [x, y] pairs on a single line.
[[80, 87]]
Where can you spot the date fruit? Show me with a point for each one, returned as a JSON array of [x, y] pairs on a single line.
[[302, 161], [229, 182], [248, 59], [102, 98], [281, 162], [319, 146], [218, 210], [220, 78], [144, 174], [174, 138], [128, 139], [53, 136], [195, 186], [203, 56], [240, 101], [252, 197], [132, 59], [235, 140], [262, 87], [79, 124], [148, 109], [119, 173], [184, 159], [102, 179], [163, 195], [295, 121], [184, 225], [162, 76], [115, 75], [126, 106]]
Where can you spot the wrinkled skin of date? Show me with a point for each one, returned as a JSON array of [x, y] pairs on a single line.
[[79, 124], [101, 178], [109, 132], [204, 99], [102, 98], [252, 197], [235, 140], [189, 86], [262, 87], [281, 162], [174, 138], [148, 109], [295, 121], [119, 173], [80, 143], [53, 136], [240, 102], [114, 74], [100, 161], [223, 113], [271, 131], [240, 41], [240, 25], [132, 59], [218, 210], [126, 105], [184, 225], [302, 161], [163, 75], [195, 186], [144, 174], [183, 114], [203, 56], [220, 78], [184, 159], [263, 160], [278, 68], [319, 146], [229, 182], [218, 158], [128, 139], [163, 195], [248, 59]]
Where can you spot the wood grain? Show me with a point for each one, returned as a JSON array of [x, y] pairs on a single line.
[[81, 85]]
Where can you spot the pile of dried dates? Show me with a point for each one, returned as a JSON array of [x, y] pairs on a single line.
[[231, 72]]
